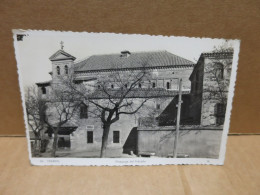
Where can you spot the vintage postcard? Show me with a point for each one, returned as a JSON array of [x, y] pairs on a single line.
[[125, 99]]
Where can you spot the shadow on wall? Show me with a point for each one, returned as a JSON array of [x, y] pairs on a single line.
[[130, 145], [169, 115]]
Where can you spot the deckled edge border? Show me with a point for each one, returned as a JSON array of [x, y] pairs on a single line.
[[130, 161]]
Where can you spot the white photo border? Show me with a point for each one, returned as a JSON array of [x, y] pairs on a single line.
[[129, 161]]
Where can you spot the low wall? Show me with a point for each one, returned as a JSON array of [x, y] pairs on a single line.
[[194, 143]]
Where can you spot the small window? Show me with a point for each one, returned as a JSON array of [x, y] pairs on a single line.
[[64, 142], [66, 69], [140, 85], [220, 71], [43, 90], [154, 85], [125, 85], [90, 137], [168, 85], [83, 111], [58, 70], [116, 136], [112, 86], [158, 106], [220, 120], [98, 86], [220, 110]]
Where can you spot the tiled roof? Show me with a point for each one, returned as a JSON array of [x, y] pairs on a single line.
[[68, 124], [218, 54], [156, 59], [135, 93], [85, 78], [45, 83]]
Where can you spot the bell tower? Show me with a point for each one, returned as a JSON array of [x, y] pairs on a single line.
[[62, 64]]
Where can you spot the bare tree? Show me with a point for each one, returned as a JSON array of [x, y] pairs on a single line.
[[62, 106], [114, 94], [35, 110], [218, 74]]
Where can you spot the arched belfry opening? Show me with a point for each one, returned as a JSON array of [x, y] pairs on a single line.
[[66, 69], [62, 62]]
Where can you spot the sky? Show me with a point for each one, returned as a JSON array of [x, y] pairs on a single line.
[[36, 48]]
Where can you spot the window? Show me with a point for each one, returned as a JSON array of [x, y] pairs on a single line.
[[66, 69], [220, 110], [220, 71], [43, 90], [83, 111], [220, 120], [98, 86], [58, 70], [154, 85], [116, 136], [64, 142], [90, 137], [112, 86], [168, 85], [158, 106], [125, 85], [140, 85]]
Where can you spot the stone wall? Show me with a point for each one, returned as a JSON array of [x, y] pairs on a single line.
[[207, 89], [58, 78], [124, 125], [193, 143], [214, 90]]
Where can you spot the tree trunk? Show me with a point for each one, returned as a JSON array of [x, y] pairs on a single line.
[[54, 145], [106, 129]]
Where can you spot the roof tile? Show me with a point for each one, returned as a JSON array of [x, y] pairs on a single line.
[[135, 60]]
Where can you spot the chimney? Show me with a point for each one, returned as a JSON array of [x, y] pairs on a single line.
[[125, 54]]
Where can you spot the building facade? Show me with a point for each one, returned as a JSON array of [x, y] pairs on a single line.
[[209, 88], [202, 114], [100, 73]]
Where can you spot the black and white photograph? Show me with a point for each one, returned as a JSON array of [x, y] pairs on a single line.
[[125, 99]]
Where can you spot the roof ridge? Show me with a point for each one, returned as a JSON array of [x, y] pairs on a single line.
[[135, 52], [62, 52]]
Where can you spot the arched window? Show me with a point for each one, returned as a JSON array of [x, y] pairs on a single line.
[[140, 85], [43, 90], [66, 69], [219, 71], [98, 86], [168, 85], [112, 86], [58, 70], [154, 85]]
